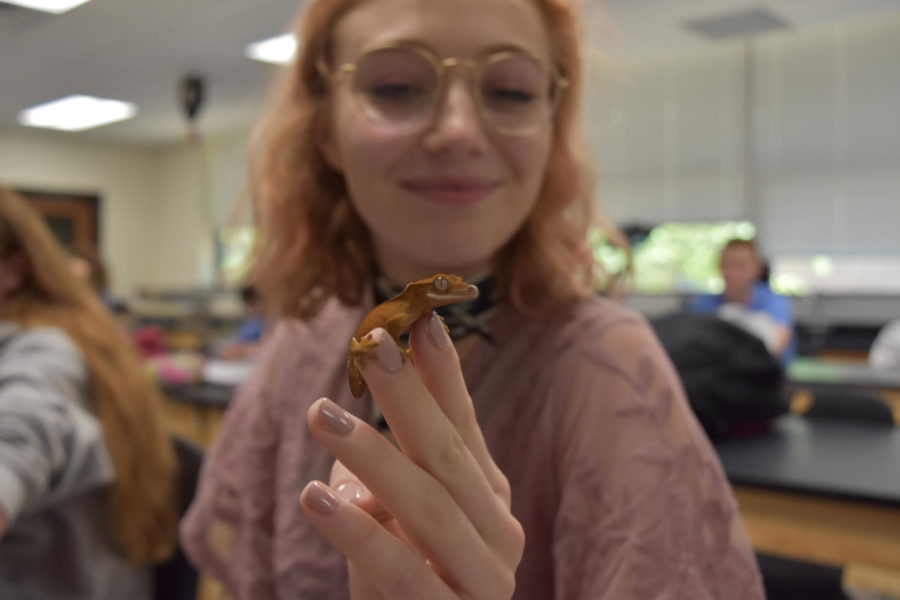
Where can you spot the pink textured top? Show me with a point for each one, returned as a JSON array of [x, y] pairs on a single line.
[[620, 494]]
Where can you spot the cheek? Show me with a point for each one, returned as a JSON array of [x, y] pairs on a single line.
[[528, 162]]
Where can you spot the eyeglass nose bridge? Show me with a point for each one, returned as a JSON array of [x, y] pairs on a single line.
[[440, 98], [449, 62]]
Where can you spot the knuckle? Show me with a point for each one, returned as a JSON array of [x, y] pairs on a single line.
[[501, 487], [516, 539], [452, 456], [507, 583], [409, 581]]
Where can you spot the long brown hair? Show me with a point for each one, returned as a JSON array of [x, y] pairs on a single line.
[[142, 499], [313, 245]]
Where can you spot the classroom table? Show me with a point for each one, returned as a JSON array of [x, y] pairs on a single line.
[[824, 491], [810, 375], [852, 374], [195, 410]]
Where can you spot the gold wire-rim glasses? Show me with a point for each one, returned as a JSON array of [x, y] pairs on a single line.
[[558, 82]]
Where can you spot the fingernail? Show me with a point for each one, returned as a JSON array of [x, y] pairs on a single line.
[[334, 418], [387, 352], [319, 498], [437, 332], [350, 491]]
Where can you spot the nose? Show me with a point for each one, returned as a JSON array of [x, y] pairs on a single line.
[[457, 127]]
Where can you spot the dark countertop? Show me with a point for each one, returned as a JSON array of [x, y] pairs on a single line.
[[202, 394], [829, 457]]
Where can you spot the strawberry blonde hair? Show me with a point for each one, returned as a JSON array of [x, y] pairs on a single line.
[[313, 245], [142, 500]]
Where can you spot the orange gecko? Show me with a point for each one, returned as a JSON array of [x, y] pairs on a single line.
[[399, 313]]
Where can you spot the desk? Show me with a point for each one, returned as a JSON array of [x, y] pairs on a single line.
[[804, 372], [195, 410], [811, 374], [822, 491]]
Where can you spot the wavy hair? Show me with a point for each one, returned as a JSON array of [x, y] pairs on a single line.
[[142, 500], [312, 244]]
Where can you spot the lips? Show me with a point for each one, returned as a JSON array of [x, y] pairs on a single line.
[[453, 191]]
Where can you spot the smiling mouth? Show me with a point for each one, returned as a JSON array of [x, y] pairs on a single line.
[[452, 192]]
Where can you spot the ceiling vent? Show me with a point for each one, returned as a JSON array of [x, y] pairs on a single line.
[[744, 23]]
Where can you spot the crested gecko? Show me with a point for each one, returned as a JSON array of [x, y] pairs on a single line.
[[399, 313]]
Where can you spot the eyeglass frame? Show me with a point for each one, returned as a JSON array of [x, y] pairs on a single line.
[[441, 65]]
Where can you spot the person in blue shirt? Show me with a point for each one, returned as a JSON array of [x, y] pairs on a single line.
[[748, 301], [245, 341]]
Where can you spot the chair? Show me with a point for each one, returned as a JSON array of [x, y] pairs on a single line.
[[176, 579], [850, 405]]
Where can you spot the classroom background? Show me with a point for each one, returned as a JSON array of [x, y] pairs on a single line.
[[708, 120]]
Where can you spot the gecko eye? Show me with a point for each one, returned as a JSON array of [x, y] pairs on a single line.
[[441, 284]]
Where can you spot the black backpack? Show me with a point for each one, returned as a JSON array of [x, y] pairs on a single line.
[[733, 383]]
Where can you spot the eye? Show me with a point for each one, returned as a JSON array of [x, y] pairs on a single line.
[[441, 284], [508, 96], [395, 92]]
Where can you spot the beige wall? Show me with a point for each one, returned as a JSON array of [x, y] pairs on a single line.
[[124, 178], [159, 206]]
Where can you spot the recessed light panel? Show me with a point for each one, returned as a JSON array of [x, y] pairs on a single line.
[[77, 113], [277, 50], [51, 6]]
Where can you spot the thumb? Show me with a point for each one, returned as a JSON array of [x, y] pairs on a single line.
[[349, 488]]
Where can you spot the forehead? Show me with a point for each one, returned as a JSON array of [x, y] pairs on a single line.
[[738, 253], [460, 28]]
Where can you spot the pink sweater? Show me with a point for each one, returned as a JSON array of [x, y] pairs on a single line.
[[620, 494]]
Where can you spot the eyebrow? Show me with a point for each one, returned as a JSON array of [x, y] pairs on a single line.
[[490, 51]]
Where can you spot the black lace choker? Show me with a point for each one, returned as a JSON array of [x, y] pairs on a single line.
[[461, 318]]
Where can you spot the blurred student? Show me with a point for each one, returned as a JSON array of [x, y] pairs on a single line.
[[885, 351], [748, 301], [86, 263], [244, 344], [87, 471]]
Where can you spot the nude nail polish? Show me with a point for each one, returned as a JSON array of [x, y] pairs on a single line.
[[334, 418], [321, 499], [387, 352], [438, 332]]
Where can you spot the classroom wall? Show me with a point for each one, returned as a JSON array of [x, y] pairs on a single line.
[[199, 190], [797, 132], [159, 206], [125, 178]]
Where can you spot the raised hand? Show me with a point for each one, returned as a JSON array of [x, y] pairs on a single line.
[[430, 515]]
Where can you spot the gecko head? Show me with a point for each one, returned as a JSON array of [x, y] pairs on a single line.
[[442, 289]]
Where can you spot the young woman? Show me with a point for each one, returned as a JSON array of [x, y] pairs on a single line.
[[549, 452], [87, 472]]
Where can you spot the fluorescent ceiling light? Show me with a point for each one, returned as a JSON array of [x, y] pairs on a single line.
[[51, 6], [278, 50], [77, 113]]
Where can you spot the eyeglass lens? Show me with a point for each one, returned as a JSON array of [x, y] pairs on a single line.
[[398, 86]]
